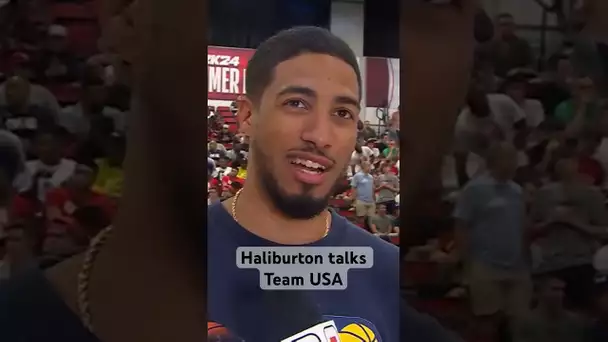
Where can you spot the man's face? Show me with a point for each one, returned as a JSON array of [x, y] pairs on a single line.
[[366, 123], [48, 149], [381, 210], [212, 146], [302, 131], [365, 166]]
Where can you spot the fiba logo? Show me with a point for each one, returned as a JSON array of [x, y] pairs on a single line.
[[357, 332], [323, 332]]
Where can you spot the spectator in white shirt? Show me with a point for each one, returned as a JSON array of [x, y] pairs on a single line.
[[360, 154], [516, 88], [50, 170], [486, 118], [37, 96], [80, 118]]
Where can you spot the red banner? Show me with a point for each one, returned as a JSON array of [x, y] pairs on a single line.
[[227, 71]]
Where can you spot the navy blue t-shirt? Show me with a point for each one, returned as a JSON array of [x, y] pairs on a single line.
[[235, 300], [32, 311]]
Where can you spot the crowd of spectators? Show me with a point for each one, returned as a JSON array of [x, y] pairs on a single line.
[[62, 133], [523, 200], [522, 221]]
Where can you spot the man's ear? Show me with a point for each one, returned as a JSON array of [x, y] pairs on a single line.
[[245, 115]]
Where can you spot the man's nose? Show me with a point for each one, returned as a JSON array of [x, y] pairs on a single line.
[[319, 129]]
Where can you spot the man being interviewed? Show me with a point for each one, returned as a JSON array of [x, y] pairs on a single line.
[[300, 113]]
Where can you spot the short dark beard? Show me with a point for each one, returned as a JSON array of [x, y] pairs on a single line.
[[299, 207]]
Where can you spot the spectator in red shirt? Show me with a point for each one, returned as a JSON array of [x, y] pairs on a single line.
[[230, 178], [62, 203]]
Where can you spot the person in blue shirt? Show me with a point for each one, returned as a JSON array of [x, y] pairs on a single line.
[[364, 192]]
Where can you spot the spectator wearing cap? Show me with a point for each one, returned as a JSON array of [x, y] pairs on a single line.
[[55, 63], [225, 136], [516, 87], [372, 143], [216, 151], [29, 94]]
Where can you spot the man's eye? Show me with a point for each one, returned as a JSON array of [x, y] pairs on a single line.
[[344, 114], [295, 104]]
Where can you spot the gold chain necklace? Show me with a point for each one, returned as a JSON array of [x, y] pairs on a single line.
[[236, 198], [84, 276]]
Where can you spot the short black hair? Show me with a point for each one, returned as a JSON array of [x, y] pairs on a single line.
[[291, 43]]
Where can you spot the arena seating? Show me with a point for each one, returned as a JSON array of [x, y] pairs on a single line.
[[80, 19]]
